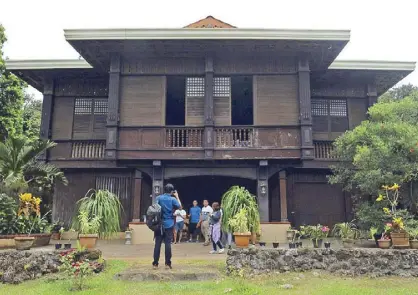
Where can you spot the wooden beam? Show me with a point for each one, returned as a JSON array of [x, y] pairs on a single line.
[[113, 107], [46, 116], [157, 179], [305, 116], [371, 94], [137, 192], [209, 136], [283, 195], [263, 191]]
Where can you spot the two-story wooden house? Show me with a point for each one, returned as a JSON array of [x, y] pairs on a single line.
[[205, 107]]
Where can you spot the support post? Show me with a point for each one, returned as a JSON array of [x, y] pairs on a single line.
[[263, 191], [371, 95], [136, 201], [305, 116], [157, 179], [46, 117], [113, 107], [283, 196], [209, 135]]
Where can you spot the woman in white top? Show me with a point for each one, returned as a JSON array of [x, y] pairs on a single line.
[[178, 227]]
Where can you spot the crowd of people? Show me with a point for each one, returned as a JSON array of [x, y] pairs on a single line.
[[202, 221]]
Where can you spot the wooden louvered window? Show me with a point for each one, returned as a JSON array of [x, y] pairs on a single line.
[[329, 115], [90, 118], [195, 99]]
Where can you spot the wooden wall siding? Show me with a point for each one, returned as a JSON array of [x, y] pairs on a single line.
[[278, 137], [81, 87], [62, 118], [276, 100], [195, 100], [338, 91], [357, 112], [163, 66], [222, 101], [121, 186], [62, 151], [312, 200], [141, 138], [254, 66], [142, 101]]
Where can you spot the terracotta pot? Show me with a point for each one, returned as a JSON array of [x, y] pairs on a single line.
[[348, 243], [55, 236], [400, 240], [384, 244], [69, 235], [24, 243], [242, 240], [413, 244], [88, 241]]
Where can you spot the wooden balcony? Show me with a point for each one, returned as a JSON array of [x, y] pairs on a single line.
[[229, 142], [324, 150]]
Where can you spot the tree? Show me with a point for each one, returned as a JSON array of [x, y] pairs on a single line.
[[11, 98], [399, 92], [382, 150], [32, 110]]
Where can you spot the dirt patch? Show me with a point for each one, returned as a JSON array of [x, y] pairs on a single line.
[[178, 273]]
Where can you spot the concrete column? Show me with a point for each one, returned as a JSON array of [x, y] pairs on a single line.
[[137, 192], [283, 195], [263, 191]]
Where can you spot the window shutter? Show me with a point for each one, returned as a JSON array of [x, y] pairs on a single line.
[[195, 99], [338, 115], [99, 118], [82, 118], [222, 101]]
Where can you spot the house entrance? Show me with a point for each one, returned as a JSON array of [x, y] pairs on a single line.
[[207, 187]]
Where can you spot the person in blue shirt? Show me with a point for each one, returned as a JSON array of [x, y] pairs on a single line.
[[169, 202], [194, 220]]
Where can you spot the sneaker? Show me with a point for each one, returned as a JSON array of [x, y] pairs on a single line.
[[155, 267], [221, 251], [168, 266], [213, 252]]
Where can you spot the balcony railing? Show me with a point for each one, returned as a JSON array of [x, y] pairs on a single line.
[[88, 149], [184, 137], [234, 137], [324, 150]]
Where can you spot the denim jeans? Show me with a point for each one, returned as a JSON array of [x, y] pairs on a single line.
[[167, 237]]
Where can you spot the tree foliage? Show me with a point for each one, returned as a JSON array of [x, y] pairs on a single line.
[[32, 110], [399, 92], [382, 150], [11, 98]]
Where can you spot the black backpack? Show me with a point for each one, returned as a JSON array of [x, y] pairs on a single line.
[[154, 220]]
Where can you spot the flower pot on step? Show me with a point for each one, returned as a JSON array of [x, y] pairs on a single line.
[[67, 246], [348, 243], [290, 234], [292, 245], [262, 244], [24, 243], [413, 244], [317, 243], [55, 236], [384, 244], [88, 241], [242, 240], [400, 239], [327, 245], [58, 246], [275, 245]]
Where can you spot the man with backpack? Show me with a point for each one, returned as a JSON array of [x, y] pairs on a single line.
[[168, 202]]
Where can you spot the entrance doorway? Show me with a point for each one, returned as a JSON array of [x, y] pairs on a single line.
[[210, 188]]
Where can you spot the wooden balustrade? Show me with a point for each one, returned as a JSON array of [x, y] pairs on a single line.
[[323, 150], [234, 137], [184, 137], [88, 149]]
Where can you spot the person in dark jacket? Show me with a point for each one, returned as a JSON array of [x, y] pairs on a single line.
[[169, 201], [215, 226]]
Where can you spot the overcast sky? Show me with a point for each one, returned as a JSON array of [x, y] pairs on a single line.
[[380, 30]]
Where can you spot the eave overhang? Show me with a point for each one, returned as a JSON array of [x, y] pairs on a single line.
[[321, 47]]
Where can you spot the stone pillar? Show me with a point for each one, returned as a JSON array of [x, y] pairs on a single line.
[[157, 179], [113, 107], [305, 116], [283, 195], [46, 116], [137, 192], [209, 136], [263, 191]]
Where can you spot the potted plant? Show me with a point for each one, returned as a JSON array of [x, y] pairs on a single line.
[[347, 231], [128, 236], [413, 235], [292, 243], [104, 205], [398, 234], [233, 201], [290, 233], [384, 242], [239, 226], [317, 233], [276, 244], [56, 230], [26, 242], [89, 228], [59, 245]]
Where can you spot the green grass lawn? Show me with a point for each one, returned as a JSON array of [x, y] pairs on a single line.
[[306, 284]]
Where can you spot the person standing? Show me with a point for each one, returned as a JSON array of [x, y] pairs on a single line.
[[215, 227], [204, 220], [180, 215], [194, 217], [169, 201]]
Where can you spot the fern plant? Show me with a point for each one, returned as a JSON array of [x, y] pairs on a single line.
[[233, 201], [104, 205]]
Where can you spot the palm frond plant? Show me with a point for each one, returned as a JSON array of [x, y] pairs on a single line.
[[104, 205], [233, 201]]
